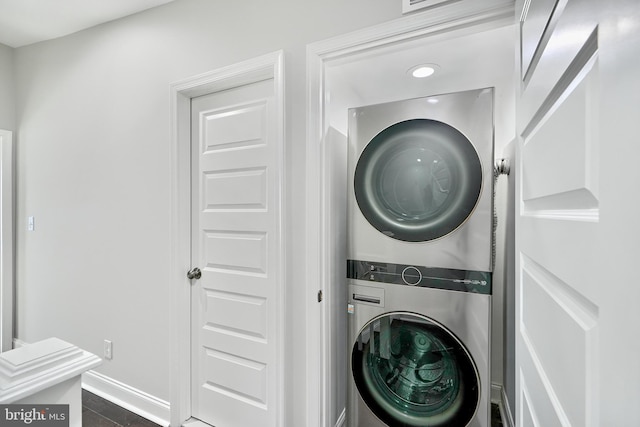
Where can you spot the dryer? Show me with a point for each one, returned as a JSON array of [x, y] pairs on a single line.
[[418, 356], [421, 181]]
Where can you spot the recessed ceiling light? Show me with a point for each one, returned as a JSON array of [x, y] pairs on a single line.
[[423, 70]]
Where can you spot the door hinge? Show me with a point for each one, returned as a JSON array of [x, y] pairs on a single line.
[[320, 295]]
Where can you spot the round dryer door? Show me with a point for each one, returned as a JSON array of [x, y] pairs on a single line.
[[418, 180], [411, 371]]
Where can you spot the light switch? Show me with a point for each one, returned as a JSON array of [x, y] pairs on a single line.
[[31, 224]]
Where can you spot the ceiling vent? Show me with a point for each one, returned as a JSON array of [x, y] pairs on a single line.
[[413, 5]]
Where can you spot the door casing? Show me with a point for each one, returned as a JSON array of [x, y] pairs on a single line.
[[6, 239], [269, 66], [321, 244]]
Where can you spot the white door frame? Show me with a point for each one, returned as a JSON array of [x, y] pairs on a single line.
[[270, 66], [6, 239], [480, 15]]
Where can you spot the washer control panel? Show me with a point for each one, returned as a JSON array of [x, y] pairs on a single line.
[[428, 277], [411, 276]]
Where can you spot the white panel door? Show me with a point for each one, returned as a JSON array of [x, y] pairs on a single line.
[[236, 162], [576, 312]]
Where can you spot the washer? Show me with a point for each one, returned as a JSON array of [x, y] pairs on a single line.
[[419, 346], [421, 179]]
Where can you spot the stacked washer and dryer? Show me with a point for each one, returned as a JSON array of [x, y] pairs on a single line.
[[420, 221]]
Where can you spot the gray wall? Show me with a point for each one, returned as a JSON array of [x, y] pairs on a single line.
[[93, 166], [7, 101]]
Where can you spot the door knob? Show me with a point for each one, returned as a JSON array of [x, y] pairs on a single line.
[[194, 273]]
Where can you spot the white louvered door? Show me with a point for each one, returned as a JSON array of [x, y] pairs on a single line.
[[576, 299], [236, 242]]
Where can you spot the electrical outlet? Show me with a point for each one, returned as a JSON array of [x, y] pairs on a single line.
[[108, 350]]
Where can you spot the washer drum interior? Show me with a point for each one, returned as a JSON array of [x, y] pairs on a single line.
[[411, 371]]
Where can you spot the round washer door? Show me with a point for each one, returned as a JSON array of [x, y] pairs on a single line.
[[418, 180], [411, 371]]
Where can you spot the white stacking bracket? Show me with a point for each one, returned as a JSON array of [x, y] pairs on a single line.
[[45, 373]]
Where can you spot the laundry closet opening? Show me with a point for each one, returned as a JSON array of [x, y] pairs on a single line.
[[474, 58]]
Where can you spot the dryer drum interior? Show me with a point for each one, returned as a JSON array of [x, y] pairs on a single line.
[[411, 371], [418, 180]]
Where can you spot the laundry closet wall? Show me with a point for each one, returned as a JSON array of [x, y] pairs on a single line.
[[93, 167]]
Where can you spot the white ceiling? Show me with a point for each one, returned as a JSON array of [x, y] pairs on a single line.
[[384, 76], [470, 61], [24, 22]]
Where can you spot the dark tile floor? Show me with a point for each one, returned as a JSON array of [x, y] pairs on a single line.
[[98, 412]]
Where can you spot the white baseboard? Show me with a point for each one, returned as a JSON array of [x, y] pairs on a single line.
[[499, 397], [139, 402], [192, 422], [18, 343], [342, 418], [496, 393]]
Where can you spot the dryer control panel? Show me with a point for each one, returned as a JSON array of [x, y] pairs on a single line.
[[428, 277]]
